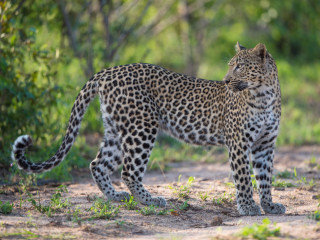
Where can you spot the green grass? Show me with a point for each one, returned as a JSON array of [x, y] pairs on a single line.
[[260, 231], [285, 174], [184, 206], [279, 183], [182, 191], [23, 233], [148, 210], [75, 215], [130, 204], [56, 202], [225, 198], [152, 210], [254, 182], [103, 210], [203, 196], [315, 215], [6, 207]]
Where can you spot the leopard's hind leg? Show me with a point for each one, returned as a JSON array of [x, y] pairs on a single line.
[[137, 142], [107, 161]]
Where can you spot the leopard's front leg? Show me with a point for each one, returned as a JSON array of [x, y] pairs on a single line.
[[239, 162], [262, 162]]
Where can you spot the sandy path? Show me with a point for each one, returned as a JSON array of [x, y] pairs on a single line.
[[201, 220]]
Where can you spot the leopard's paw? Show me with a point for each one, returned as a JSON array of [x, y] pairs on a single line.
[[158, 201], [120, 196], [249, 210], [273, 208]]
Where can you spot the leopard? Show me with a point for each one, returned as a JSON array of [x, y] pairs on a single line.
[[137, 101]]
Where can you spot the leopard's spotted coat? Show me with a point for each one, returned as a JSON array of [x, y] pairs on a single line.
[[137, 100]]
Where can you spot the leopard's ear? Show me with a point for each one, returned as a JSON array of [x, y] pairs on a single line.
[[239, 47], [260, 51]]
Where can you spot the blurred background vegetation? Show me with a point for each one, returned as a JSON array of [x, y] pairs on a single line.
[[49, 49]]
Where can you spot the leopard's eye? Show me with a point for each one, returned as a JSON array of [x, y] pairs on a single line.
[[238, 67]]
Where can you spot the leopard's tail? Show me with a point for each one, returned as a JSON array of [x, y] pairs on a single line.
[[86, 95]]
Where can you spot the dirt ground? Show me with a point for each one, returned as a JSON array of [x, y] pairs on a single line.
[[200, 220]]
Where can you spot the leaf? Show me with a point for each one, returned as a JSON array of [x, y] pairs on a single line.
[[174, 213], [266, 221]]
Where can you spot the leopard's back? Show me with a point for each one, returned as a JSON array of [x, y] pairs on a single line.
[[188, 108]]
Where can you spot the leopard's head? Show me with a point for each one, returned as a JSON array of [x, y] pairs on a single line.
[[248, 68]]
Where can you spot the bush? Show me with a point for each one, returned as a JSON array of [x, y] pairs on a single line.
[[27, 93]]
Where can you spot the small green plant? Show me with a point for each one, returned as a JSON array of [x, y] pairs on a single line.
[[30, 222], [315, 215], [229, 184], [302, 180], [285, 174], [75, 215], [152, 210], [22, 233], [254, 182], [184, 206], [6, 207], [225, 198], [119, 224], [130, 204], [282, 184], [163, 211], [148, 210], [37, 205], [103, 210], [260, 231], [311, 183], [312, 162], [55, 202], [203, 196], [184, 190]]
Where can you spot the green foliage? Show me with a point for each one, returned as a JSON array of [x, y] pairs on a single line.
[[225, 198], [23, 233], [55, 204], [148, 210], [279, 183], [260, 231], [254, 182], [56, 199], [184, 206], [27, 91], [315, 215], [76, 215], [152, 210], [6, 207], [285, 174], [103, 210], [130, 204], [183, 191], [203, 196]]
